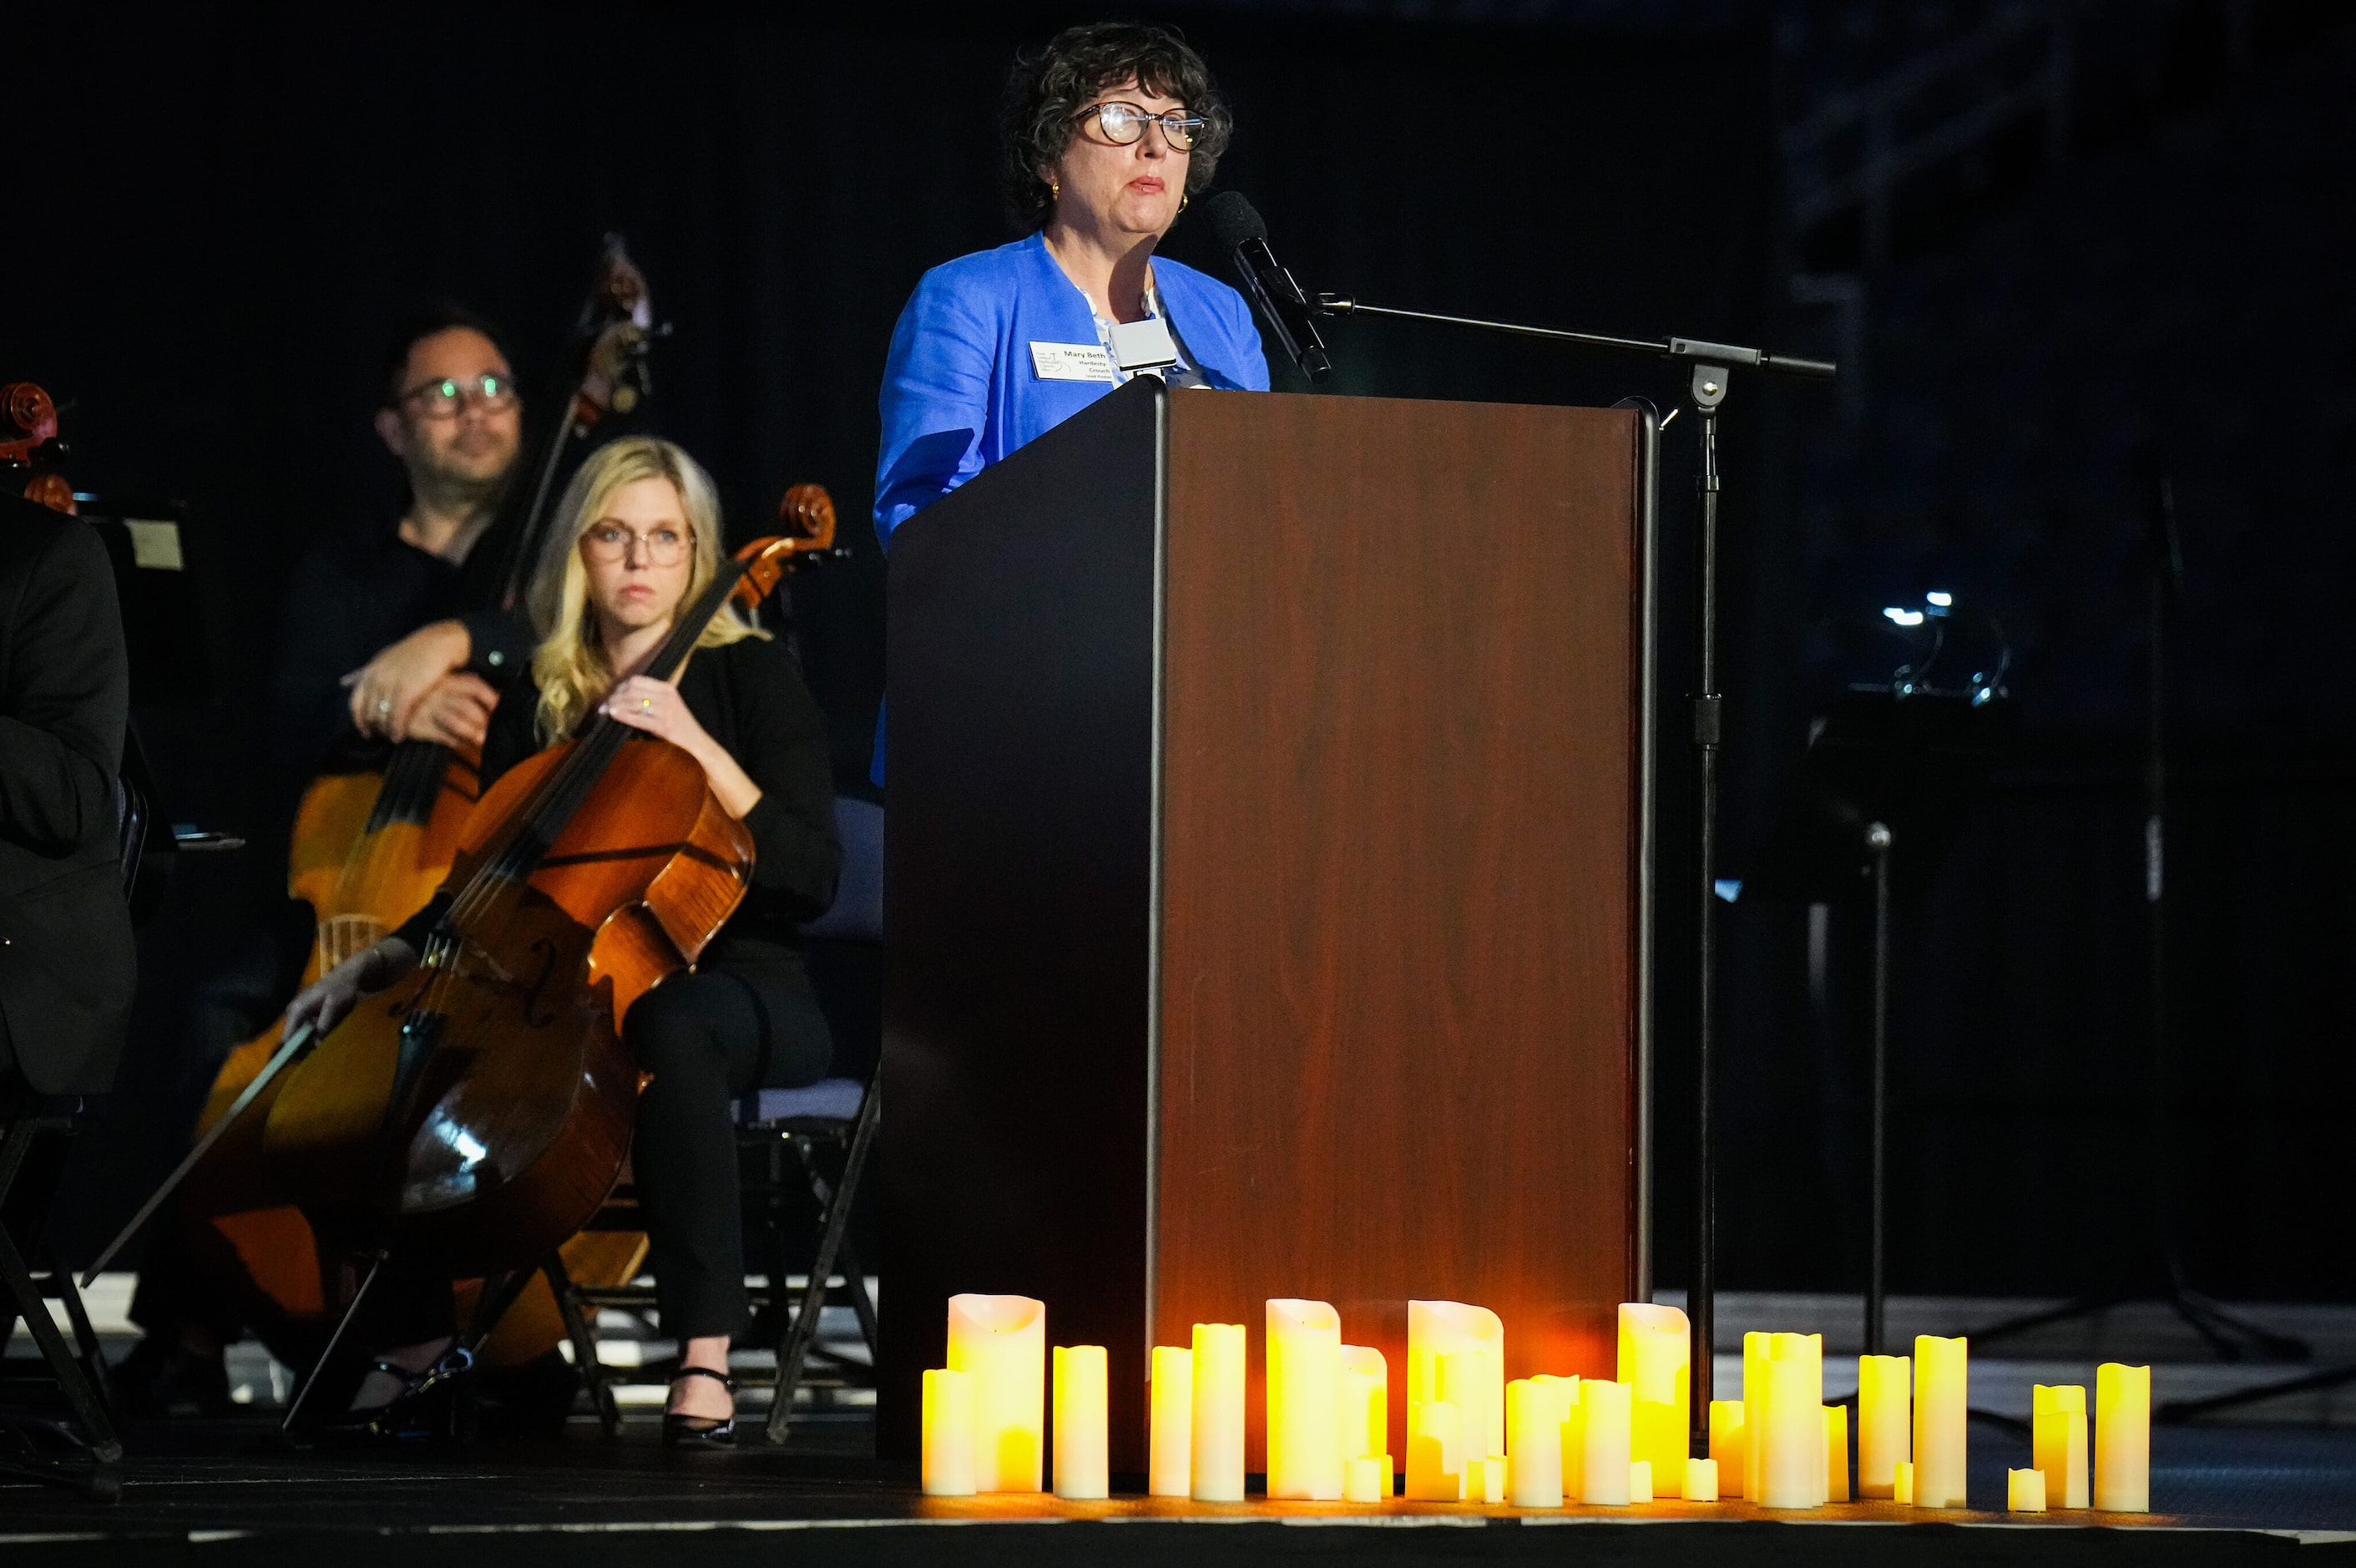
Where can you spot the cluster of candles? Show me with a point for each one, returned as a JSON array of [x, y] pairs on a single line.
[[1540, 1441]]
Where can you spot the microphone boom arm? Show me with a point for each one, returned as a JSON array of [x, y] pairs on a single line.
[[1694, 349]]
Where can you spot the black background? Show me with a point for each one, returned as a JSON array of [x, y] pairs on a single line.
[[221, 209]]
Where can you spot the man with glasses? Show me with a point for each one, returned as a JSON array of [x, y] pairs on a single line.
[[349, 666]]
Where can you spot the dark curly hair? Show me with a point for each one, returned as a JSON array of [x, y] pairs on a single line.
[[1046, 91], [423, 319]]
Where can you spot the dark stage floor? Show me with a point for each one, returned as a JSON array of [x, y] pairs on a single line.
[[220, 1495]]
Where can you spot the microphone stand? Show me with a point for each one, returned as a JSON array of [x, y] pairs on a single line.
[[1712, 364]]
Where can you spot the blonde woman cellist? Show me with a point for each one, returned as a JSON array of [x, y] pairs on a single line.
[[635, 539]]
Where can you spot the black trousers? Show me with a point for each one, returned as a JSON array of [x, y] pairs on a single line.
[[706, 1038]]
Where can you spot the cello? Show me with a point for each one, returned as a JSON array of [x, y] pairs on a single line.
[[252, 1176], [479, 1111], [369, 846]]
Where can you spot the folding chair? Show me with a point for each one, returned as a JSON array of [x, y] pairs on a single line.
[[811, 1145], [835, 1114], [32, 1278]]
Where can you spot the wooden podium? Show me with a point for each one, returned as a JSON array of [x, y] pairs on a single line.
[[1264, 883]]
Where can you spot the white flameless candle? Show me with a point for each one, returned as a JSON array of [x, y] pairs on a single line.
[[1435, 1452], [1363, 1406], [2058, 1440], [1942, 1420], [1217, 1463], [2123, 1438], [1656, 1363], [1001, 1342], [1791, 1434], [947, 1434], [1836, 1453], [1726, 1434], [1533, 1445], [1755, 1345], [1169, 1442], [1603, 1458], [1304, 1367], [1440, 1329], [1083, 1467], [1885, 1405]]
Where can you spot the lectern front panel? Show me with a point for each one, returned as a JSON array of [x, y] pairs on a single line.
[[1396, 1006], [1261, 882]]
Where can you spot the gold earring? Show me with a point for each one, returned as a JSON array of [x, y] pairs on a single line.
[[1182, 200], [1054, 189]]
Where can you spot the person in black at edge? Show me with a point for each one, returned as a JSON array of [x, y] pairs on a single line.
[[67, 966], [636, 538], [342, 688]]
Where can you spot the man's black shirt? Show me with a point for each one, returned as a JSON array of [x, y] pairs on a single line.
[[350, 599]]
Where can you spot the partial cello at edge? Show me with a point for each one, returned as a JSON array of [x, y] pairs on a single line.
[[245, 1226]]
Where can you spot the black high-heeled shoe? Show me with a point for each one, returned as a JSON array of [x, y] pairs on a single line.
[[436, 1405], [702, 1431]]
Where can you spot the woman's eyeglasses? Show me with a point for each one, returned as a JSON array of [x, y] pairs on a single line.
[[448, 397], [1123, 123], [610, 541]]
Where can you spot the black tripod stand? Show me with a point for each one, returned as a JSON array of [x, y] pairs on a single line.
[[2229, 1336]]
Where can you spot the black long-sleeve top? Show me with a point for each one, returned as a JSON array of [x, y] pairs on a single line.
[[749, 696], [353, 596]]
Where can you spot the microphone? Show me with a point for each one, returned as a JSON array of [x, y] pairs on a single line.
[[1241, 233]]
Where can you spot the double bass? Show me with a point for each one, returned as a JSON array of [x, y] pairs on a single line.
[[477, 1113]]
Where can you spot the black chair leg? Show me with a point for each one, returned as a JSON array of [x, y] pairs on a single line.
[[88, 1408], [854, 1281], [794, 1351], [854, 1278], [93, 1359], [25, 1302], [585, 1346]]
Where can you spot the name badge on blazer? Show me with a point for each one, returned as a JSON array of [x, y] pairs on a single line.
[[1071, 363]]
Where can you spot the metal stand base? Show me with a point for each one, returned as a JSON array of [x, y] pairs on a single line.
[[2227, 1332], [2175, 1411]]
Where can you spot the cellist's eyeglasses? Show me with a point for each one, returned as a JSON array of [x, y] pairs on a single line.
[[447, 398], [1123, 123], [611, 542]]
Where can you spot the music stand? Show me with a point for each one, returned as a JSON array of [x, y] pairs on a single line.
[[1890, 766]]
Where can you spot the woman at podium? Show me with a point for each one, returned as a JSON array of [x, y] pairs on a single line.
[[1107, 132]]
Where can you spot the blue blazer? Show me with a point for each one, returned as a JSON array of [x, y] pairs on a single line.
[[959, 391]]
